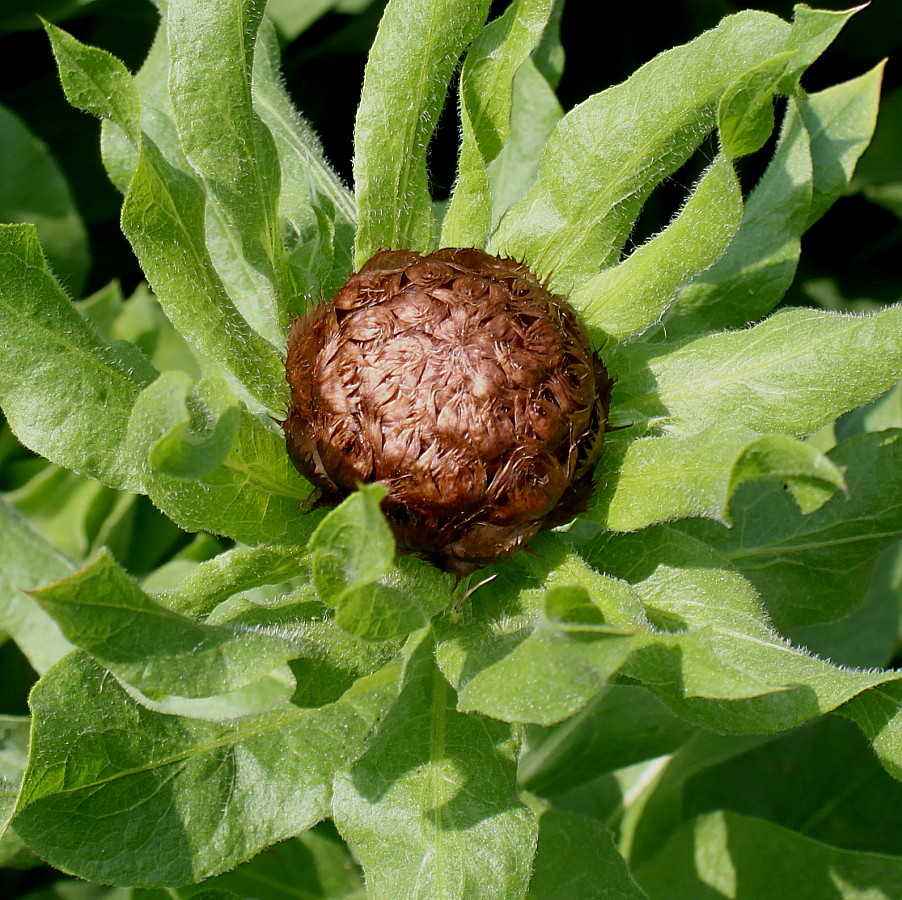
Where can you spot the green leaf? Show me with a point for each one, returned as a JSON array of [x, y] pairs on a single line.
[[723, 854], [622, 725], [404, 88], [840, 122], [816, 568], [97, 82], [352, 546], [714, 658], [211, 51], [104, 612], [486, 87], [868, 636], [254, 495], [606, 156], [194, 448], [229, 573], [535, 111], [351, 553], [821, 780], [658, 479], [627, 298], [207, 795], [313, 866], [813, 30], [66, 394], [795, 372], [576, 859], [33, 189], [822, 137], [745, 113], [163, 217], [514, 662], [431, 808], [13, 754]]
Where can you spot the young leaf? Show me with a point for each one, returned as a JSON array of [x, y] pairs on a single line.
[[13, 754], [431, 808], [66, 394], [104, 612], [33, 189], [351, 554], [793, 373], [816, 568], [625, 299], [822, 137], [535, 111], [743, 857], [253, 495], [486, 85], [517, 663], [594, 870], [238, 164], [606, 156], [407, 74], [207, 795], [658, 479]]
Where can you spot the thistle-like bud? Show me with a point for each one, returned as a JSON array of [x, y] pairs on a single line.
[[463, 386]]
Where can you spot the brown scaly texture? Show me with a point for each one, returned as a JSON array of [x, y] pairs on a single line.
[[462, 385]]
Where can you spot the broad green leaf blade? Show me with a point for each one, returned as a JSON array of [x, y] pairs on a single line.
[[727, 855], [206, 795], [795, 372], [255, 495], [33, 189], [840, 122], [516, 663], [66, 394], [868, 636], [27, 561], [659, 479], [878, 713], [351, 554], [606, 156], [404, 88], [816, 568], [822, 780], [535, 111], [316, 865], [194, 448], [745, 113], [300, 154], [97, 82], [822, 137], [715, 659], [622, 725], [813, 30], [163, 217], [431, 808], [486, 87], [236, 570], [13, 755], [628, 298], [104, 612], [352, 546], [576, 859], [211, 49]]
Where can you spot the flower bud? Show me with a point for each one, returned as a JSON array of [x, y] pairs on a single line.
[[463, 386]]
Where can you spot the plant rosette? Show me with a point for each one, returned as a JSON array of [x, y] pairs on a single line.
[[228, 702]]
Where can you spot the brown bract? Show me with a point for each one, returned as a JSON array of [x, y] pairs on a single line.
[[462, 385]]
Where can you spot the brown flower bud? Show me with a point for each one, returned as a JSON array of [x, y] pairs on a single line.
[[462, 385]]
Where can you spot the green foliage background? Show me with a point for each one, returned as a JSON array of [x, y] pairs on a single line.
[[627, 711]]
